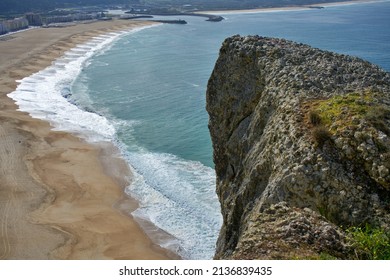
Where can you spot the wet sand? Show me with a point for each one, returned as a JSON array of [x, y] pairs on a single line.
[[60, 197]]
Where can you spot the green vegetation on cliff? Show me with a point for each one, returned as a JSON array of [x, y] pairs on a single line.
[[342, 111], [369, 243], [358, 125]]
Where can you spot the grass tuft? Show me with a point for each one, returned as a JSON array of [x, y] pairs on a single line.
[[369, 243], [321, 135], [314, 118], [340, 110]]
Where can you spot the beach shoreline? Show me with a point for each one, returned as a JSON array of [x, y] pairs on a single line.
[[61, 197], [286, 8]]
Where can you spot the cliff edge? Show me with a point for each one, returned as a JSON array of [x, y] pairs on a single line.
[[301, 142]]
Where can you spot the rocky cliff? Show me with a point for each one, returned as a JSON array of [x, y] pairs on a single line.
[[301, 148]]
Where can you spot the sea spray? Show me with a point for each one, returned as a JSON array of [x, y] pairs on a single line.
[[178, 196], [175, 194], [46, 94]]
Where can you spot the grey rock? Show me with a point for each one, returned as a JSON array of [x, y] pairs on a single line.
[[282, 194]]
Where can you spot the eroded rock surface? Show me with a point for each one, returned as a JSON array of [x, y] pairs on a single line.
[[301, 148]]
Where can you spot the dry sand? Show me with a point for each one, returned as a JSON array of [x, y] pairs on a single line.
[[287, 8], [60, 198]]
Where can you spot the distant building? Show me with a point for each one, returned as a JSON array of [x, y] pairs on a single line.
[[71, 18], [13, 25], [34, 19], [3, 29]]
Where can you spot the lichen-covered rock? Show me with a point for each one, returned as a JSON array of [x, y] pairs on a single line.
[[303, 127], [282, 232]]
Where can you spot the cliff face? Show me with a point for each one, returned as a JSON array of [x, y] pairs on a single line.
[[301, 142]]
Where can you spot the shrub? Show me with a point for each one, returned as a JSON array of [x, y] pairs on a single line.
[[314, 118], [369, 243], [321, 135]]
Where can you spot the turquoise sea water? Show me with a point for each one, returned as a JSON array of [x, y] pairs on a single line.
[[145, 91]]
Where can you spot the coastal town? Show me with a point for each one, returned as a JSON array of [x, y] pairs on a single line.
[[32, 20], [15, 18]]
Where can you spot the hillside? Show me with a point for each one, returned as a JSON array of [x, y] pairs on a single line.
[[22, 6]]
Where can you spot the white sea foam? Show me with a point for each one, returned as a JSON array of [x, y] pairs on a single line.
[[176, 195], [44, 94]]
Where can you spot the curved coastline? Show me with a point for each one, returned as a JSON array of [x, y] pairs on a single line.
[[288, 8], [61, 198]]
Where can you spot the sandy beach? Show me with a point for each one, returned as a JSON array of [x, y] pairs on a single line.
[[60, 197], [287, 8]]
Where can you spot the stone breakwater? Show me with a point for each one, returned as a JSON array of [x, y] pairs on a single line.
[[301, 148]]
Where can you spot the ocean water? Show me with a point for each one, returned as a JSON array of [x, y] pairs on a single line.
[[145, 92]]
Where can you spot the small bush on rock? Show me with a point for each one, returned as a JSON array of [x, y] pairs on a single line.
[[314, 118], [321, 135], [369, 243]]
